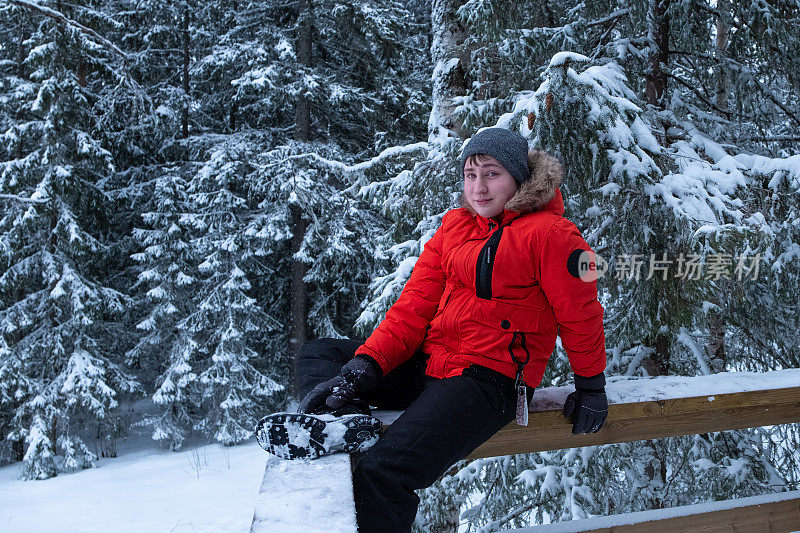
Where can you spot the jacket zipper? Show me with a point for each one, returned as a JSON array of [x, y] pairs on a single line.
[[483, 272]]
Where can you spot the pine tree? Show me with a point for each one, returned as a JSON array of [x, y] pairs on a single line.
[[169, 275], [15, 388], [231, 383], [57, 311]]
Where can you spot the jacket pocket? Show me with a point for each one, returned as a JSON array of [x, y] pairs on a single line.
[[529, 296], [504, 316]]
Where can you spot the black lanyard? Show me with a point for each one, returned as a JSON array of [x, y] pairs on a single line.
[[519, 382]]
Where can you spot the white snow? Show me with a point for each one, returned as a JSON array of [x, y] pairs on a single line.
[[212, 488], [624, 389], [627, 389], [205, 489], [306, 496], [562, 57], [600, 522]]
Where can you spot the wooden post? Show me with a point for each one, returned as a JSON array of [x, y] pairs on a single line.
[[308, 496]]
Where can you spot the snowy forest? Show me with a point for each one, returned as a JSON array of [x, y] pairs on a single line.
[[189, 190]]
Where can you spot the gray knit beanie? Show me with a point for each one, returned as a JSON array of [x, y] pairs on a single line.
[[508, 147]]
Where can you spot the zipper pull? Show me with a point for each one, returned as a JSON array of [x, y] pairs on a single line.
[[488, 255]]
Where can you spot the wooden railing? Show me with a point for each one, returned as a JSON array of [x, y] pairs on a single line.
[[658, 416], [548, 429]]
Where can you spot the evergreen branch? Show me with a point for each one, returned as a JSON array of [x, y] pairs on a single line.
[[613, 18], [29, 302], [694, 68], [23, 199], [773, 138], [775, 101], [60, 17], [10, 30], [136, 187], [763, 89], [516, 513], [344, 167], [675, 473], [697, 93], [596, 47]]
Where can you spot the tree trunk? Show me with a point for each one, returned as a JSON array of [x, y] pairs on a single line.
[[81, 72], [658, 32], [299, 305], [717, 325], [21, 52], [185, 110], [448, 44], [235, 104], [716, 344], [21, 75], [17, 450], [303, 111], [232, 117], [657, 363], [720, 52]]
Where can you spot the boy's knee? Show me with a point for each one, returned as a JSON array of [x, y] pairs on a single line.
[[338, 350], [315, 346], [318, 349]]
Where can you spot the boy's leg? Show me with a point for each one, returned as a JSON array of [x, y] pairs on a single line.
[[322, 359], [448, 420], [397, 389]]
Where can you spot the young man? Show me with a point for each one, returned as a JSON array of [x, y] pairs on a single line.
[[466, 342]]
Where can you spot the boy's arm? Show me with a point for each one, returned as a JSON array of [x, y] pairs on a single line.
[[571, 291], [403, 329], [568, 275]]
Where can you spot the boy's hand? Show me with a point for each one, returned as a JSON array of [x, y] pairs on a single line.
[[587, 407], [355, 377]]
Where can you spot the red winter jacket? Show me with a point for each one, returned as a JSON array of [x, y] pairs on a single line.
[[483, 289]]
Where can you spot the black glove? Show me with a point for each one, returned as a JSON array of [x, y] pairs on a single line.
[[357, 376], [587, 407]]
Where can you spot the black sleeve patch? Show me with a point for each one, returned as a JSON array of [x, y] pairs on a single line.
[[574, 262]]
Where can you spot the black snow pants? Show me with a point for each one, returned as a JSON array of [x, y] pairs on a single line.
[[444, 420]]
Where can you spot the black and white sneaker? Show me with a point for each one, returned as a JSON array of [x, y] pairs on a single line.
[[302, 435]]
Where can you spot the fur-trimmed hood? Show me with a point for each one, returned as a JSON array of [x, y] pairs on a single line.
[[546, 176]]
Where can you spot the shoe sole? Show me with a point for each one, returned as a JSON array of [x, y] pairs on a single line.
[[303, 436]]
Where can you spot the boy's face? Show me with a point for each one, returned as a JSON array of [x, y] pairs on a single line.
[[488, 186]]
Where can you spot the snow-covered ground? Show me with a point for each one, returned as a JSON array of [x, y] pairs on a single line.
[[201, 489]]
